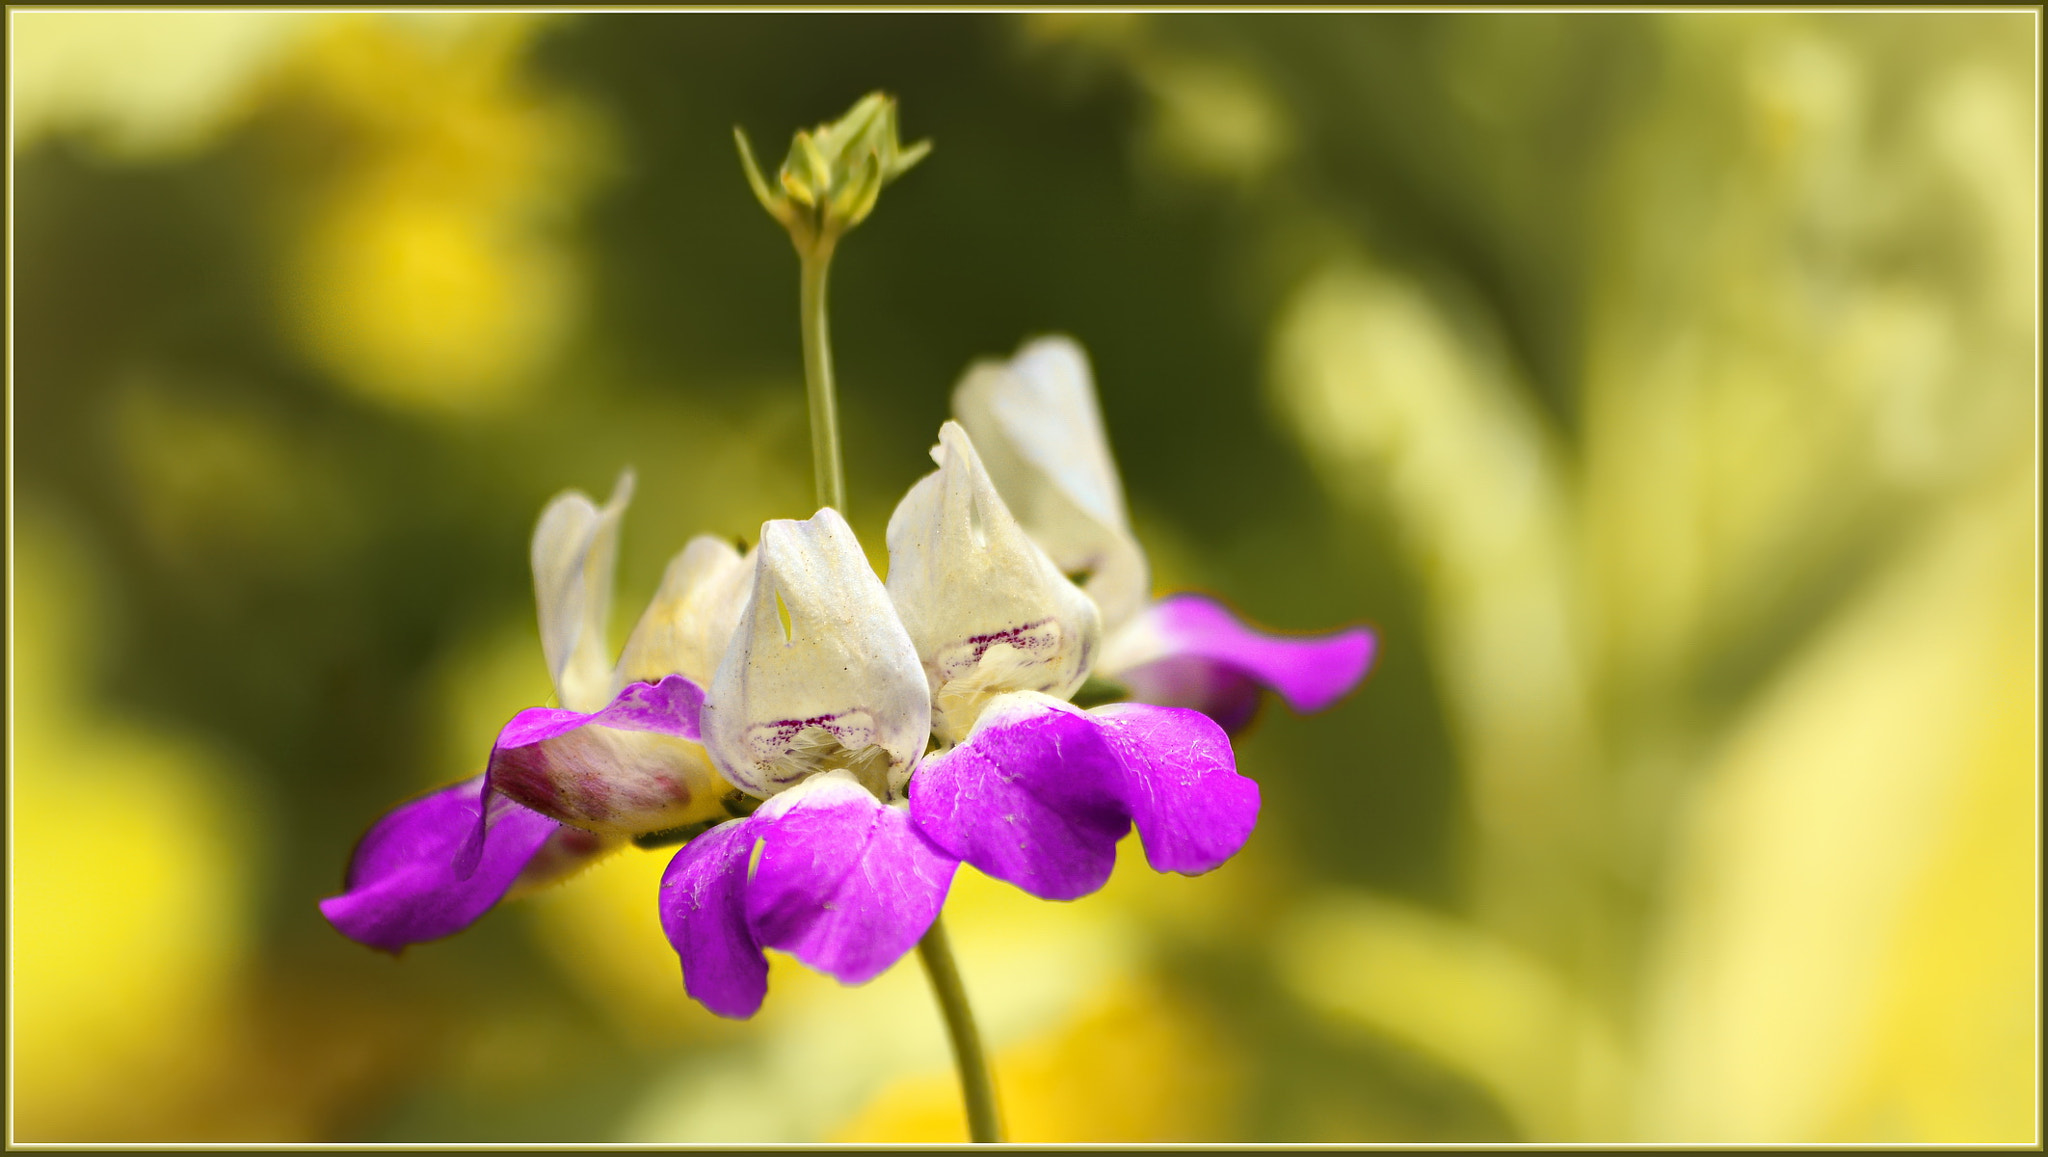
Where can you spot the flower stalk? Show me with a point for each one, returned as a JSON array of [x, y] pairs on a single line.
[[826, 465], [984, 1125], [828, 185]]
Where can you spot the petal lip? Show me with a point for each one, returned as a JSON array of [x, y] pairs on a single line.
[[1310, 672], [1180, 785], [402, 884], [672, 707], [1041, 792], [703, 914], [1030, 797], [845, 883]]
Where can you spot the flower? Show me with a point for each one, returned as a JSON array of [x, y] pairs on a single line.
[[824, 704], [619, 758], [1037, 791], [820, 708], [1040, 430], [889, 731]]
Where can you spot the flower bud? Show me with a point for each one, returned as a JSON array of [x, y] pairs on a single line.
[[834, 173]]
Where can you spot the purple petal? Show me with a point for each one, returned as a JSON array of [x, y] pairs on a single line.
[[1180, 785], [1220, 691], [1204, 654], [1030, 797], [845, 883], [403, 886], [703, 911], [671, 707], [674, 706]]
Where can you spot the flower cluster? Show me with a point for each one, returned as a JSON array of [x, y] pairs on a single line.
[[834, 746]]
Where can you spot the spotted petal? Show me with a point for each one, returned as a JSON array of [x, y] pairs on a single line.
[[838, 687], [989, 612]]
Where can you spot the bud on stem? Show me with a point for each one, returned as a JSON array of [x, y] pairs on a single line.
[[826, 186], [833, 174]]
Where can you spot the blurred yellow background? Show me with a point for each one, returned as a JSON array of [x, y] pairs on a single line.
[[1663, 388]]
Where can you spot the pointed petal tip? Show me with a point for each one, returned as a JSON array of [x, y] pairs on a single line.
[[402, 885], [1190, 650]]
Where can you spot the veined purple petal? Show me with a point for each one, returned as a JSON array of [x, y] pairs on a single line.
[[403, 886], [845, 883], [1180, 785], [703, 912], [601, 778], [1221, 691], [1040, 793], [1190, 651], [1030, 797], [670, 707]]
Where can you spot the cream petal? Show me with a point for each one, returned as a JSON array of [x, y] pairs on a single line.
[[1040, 432], [839, 688], [989, 611], [575, 550], [686, 628]]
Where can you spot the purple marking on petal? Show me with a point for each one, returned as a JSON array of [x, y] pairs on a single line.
[[1031, 797], [1310, 672], [845, 883], [1180, 783], [403, 886], [703, 912]]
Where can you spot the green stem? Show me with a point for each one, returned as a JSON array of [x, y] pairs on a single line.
[[983, 1124], [825, 461], [975, 1085]]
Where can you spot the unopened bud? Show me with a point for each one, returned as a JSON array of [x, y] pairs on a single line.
[[834, 173]]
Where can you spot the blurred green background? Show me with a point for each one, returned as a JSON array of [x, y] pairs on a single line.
[[1661, 387]]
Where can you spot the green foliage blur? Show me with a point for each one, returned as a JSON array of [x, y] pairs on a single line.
[[1660, 388]]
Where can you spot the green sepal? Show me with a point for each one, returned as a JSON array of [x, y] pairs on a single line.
[[834, 173]]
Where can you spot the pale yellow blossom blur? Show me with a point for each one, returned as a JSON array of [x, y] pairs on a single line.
[[433, 272]]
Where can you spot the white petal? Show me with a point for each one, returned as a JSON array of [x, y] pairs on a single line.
[[575, 549], [686, 628], [988, 610], [841, 688], [1039, 429]]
